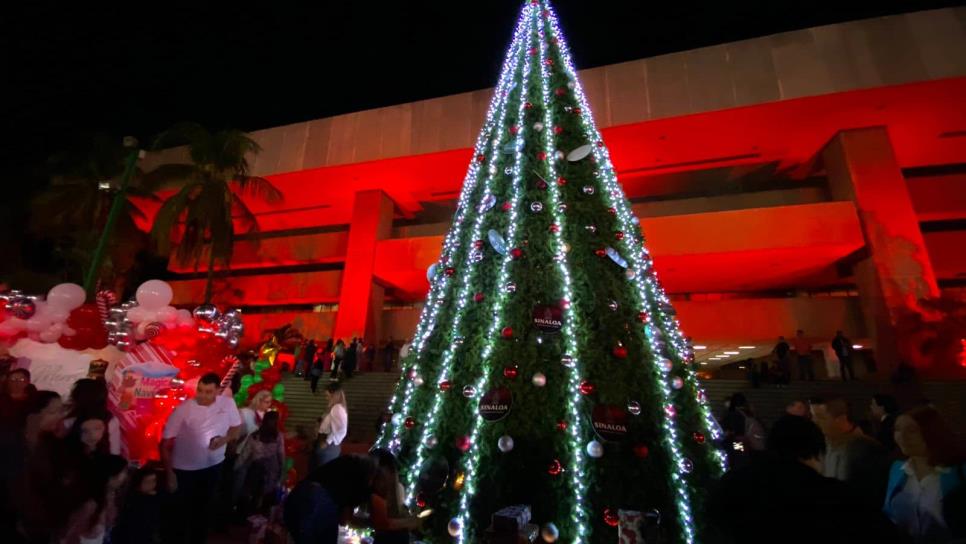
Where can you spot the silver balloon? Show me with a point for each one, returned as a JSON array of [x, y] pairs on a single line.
[[206, 312]]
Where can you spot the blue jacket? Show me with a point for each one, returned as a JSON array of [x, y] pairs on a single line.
[[949, 480]]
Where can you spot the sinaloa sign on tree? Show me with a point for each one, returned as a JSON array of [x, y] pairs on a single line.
[[544, 297]]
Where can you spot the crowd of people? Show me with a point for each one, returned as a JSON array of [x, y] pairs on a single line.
[[342, 360], [797, 357], [817, 476]]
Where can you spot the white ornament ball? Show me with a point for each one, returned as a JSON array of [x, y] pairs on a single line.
[[571, 84], [559, 155], [567, 361], [686, 466], [505, 443], [453, 527], [431, 441], [536, 207], [677, 382], [595, 449], [397, 419], [418, 380], [634, 407], [539, 379], [538, 126], [469, 391], [666, 365], [510, 287], [630, 273], [549, 533]]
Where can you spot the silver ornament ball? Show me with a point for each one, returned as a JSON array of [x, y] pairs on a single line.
[[568, 361], [549, 533], [595, 449], [539, 379], [587, 189], [505, 443], [634, 408], [536, 207]]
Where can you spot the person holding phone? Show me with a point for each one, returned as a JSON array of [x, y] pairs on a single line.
[[192, 451]]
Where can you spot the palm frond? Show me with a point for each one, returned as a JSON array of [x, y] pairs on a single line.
[[167, 217], [258, 187], [184, 133]]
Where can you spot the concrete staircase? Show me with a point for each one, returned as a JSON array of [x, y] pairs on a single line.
[[366, 393]]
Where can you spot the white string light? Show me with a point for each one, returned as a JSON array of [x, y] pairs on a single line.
[[403, 394], [649, 293], [445, 366], [472, 458]]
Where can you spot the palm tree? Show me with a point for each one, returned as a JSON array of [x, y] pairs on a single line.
[[209, 200], [72, 211]]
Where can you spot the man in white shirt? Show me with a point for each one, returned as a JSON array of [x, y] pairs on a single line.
[[192, 451]]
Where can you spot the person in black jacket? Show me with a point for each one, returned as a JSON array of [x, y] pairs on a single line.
[[783, 497], [318, 504], [843, 350], [884, 410]]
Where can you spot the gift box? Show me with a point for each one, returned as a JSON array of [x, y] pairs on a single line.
[[511, 519]]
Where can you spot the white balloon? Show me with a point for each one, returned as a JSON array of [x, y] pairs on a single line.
[[48, 336], [185, 319], [154, 294], [168, 314], [139, 314], [66, 296], [36, 324]]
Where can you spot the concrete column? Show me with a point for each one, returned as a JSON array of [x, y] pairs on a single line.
[[361, 299], [897, 272]]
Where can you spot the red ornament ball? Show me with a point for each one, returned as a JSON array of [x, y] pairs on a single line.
[[514, 129], [542, 185], [577, 110], [600, 252], [619, 235], [507, 206], [527, 106], [510, 372], [611, 518], [478, 244], [542, 156], [533, 51], [558, 129], [587, 388], [554, 228], [561, 181], [548, 62], [555, 468], [409, 423], [560, 91], [507, 332], [641, 451], [478, 297], [698, 437], [600, 143], [516, 253], [612, 211], [445, 385], [546, 13], [463, 443], [620, 352], [480, 158], [450, 271], [643, 317], [562, 425], [564, 304], [421, 501]]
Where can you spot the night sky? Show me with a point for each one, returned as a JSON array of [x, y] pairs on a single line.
[[80, 67]]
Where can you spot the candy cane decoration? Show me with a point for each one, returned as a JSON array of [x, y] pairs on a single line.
[[235, 367], [105, 298]]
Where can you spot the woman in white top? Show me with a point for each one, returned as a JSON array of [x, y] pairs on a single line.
[[333, 427], [925, 493], [253, 413]]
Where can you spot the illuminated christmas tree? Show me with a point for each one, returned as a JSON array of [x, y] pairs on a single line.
[[548, 368]]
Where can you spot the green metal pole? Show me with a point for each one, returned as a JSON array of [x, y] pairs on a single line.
[[115, 211]]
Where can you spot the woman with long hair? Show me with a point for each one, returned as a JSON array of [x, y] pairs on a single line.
[[93, 515], [88, 398], [388, 516], [332, 427], [926, 495], [258, 469]]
